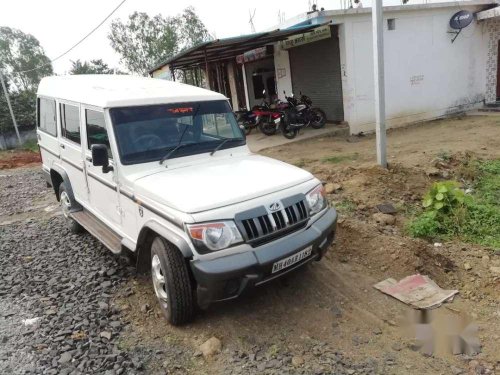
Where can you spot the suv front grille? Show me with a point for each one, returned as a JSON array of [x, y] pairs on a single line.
[[258, 226]]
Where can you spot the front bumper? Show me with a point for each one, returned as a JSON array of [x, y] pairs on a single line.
[[228, 277]]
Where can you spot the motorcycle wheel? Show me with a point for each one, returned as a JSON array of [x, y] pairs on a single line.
[[268, 128], [319, 118], [290, 133], [248, 129]]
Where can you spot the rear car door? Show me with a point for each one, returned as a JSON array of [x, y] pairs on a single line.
[[103, 187], [70, 145], [47, 132]]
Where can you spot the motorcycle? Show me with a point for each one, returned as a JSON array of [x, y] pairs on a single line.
[[300, 114], [269, 116], [247, 119]]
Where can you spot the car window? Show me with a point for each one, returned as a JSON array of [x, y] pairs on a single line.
[[96, 130], [70, 122], [218, 125], [47, 116], [147, 133]]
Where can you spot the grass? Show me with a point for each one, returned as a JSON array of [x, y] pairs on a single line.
[[345, 206], [30, 145], [476, 220], [340, 158]]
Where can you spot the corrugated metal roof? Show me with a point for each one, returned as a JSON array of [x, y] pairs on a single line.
[[229, 48]]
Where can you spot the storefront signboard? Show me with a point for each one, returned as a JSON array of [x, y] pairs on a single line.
[[255, 54], [319, 33]]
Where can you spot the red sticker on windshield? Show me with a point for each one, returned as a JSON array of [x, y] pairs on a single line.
[[181, 110]]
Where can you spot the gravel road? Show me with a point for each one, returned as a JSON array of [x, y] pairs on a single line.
[[55, 312]]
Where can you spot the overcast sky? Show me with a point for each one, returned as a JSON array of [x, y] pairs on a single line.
[[58, 24]]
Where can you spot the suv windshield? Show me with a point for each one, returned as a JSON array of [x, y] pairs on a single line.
[[148, 133]]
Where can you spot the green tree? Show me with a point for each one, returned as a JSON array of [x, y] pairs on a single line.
[[22, 52], [144, 41], [90, 67], [192, 30]]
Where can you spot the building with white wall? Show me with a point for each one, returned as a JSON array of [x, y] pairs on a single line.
[[328, 55]]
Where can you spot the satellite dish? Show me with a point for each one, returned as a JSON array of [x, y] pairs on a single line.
[[461, 20]]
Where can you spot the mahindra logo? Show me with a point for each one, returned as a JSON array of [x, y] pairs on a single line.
[[274, 207]]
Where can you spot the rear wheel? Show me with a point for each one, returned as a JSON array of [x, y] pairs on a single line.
[[268, 128], [318, 118], [171, 282], [67, 204]]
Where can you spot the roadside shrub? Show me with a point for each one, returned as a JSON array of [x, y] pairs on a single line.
[[443, 197], [448, 212], [425, 226]]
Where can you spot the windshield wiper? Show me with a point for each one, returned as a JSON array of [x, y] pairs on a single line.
[[179, 145], [172, 151], [219, 146]]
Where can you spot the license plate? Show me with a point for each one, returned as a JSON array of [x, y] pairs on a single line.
[[291, 260]]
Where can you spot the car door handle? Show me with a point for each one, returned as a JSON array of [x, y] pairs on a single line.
[[62, 146], [89, 159]]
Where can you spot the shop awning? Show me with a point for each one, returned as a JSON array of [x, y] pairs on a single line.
[[229, 48]]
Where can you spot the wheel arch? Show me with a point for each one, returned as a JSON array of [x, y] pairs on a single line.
[[57, 176], [145, 238]]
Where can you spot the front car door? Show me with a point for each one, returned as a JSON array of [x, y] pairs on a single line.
[[103, 189], [70, 144]]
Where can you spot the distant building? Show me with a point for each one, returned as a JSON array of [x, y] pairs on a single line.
[[328, 55]]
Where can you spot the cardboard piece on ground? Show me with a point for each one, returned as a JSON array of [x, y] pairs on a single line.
[[417, 291]]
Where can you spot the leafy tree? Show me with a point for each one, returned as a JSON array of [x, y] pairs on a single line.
[[93, 67], [21, 52], [192, 29], [144, 41]]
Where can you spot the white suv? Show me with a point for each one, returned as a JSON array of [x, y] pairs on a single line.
[[162, 169]]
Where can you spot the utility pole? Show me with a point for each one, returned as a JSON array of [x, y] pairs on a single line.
[[10, 108], [378, 65]]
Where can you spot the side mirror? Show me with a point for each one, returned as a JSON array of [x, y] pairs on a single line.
[[100, 157]]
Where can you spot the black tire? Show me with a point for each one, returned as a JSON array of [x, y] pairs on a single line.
[[268, 128], [179, 306], [248, 129], [319, 119], [67, 203], [288, 131]]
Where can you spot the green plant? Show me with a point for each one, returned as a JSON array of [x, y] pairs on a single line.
[[425, 226], [448, 212], [31, 145], [443, 197], [444, 155], [339, 158], [345, 206]]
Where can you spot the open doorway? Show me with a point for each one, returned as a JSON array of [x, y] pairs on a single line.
[[260, 77]]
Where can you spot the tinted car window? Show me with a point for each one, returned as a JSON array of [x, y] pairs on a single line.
[[96, 130], [70, 122], [47, 115], [147, 133]]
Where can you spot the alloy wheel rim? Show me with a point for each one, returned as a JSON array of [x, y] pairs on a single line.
[[159, 281], [65, 204]]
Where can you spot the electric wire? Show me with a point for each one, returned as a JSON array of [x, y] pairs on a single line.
[[77, 44]]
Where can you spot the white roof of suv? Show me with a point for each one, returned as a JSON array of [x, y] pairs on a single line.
[[103, 90]]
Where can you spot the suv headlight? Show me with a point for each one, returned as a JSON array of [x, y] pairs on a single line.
[[316, 199], [216, 235]]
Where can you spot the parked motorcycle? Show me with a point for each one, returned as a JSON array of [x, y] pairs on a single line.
[[247, 119], [269, 116], [300, 114]]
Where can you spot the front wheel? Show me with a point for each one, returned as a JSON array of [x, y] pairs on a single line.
[[67, 204], [318, 118], [171, 282]]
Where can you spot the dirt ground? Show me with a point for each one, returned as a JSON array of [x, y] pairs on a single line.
[[16, 158], [332, 305], [333, 302]]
